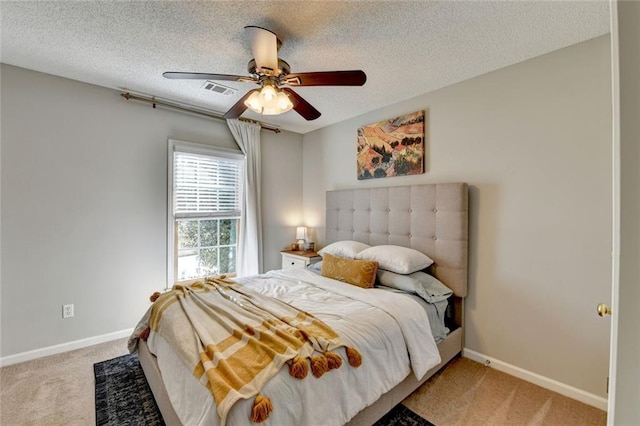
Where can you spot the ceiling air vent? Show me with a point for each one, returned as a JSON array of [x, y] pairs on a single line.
[[214, 87]]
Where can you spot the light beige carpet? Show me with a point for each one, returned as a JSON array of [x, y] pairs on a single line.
[[59, 390], [468, 393], [54, 390]]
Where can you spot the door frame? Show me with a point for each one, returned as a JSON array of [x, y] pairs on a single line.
[[624, 365]]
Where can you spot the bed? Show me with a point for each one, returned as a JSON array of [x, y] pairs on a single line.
[[432, 219]]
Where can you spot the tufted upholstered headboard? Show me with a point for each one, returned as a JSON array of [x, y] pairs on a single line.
[[433, 219]]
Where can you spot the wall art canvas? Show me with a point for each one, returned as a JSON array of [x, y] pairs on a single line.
[[392, 147]]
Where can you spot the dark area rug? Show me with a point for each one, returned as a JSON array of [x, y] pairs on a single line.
[[123, 397], [402, 416]]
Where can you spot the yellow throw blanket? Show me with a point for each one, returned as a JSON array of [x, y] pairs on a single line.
[[234, 340]]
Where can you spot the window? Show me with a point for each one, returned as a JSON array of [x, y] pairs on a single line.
[[205, 204]]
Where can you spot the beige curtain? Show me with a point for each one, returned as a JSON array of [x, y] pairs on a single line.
[[247, 136]]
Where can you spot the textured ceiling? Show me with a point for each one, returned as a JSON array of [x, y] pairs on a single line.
[[405, 48]]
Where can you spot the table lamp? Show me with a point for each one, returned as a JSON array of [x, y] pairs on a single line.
[[301, 235]]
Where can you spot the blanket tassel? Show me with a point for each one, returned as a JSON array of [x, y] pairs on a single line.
[[298, 367], [333, 359], [319, 365], [262, 407], [145, 334], [354, 357]]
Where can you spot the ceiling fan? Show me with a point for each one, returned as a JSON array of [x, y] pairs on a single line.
[[271, 73]]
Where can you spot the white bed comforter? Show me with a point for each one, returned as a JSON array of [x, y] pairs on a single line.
[[391, 332]]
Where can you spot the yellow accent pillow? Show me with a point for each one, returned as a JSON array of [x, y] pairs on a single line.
[[361, 273]]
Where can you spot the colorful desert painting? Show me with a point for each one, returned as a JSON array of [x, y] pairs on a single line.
[[392, 147]]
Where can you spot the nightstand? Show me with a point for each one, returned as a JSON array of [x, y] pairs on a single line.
[[299, 259]]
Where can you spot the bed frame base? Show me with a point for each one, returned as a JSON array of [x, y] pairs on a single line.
[[448, 348], [149, 365]]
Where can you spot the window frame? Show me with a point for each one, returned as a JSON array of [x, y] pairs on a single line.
[[191, 148]]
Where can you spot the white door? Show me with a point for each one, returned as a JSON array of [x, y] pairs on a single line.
[[624, 372]]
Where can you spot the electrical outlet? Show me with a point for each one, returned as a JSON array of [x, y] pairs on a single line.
[[67, 311]]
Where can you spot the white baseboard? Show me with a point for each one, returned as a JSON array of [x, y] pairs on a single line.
[[537, 379], [63, 347]]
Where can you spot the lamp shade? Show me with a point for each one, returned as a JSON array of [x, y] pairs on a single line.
[[269, 100], [301, 233]]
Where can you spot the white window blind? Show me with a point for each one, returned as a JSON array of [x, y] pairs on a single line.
[[206, 186]]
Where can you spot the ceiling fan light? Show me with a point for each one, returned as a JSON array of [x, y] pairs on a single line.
[[278, 102], [284, 103], [253, 103], [268, 94]]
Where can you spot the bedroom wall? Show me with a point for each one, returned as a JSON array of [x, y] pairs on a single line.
[[533, 140], [84, 205]]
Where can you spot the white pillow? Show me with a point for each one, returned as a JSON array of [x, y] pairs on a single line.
[[347, 249], [424, 285], [402, 260]]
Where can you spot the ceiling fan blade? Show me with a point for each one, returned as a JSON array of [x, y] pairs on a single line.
[[239, 107], [206, 76], [327, 78], [301, 106], [264, 47]]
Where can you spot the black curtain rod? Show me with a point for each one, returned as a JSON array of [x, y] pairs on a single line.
[[155, 102]]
